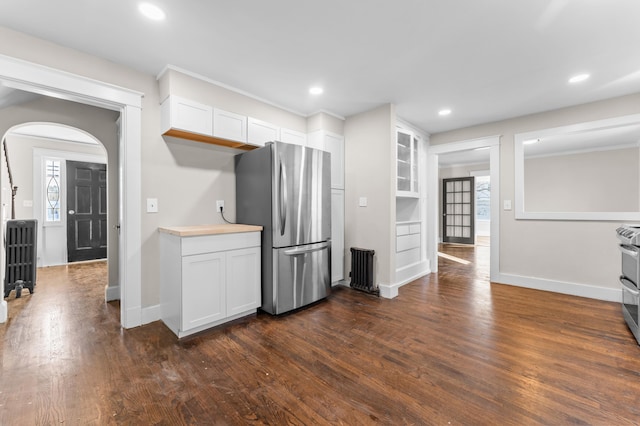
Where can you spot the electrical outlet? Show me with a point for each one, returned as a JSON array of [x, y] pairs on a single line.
[[152, 205], [219, 205]]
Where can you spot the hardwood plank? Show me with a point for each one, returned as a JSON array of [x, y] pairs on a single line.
[[452, 348]]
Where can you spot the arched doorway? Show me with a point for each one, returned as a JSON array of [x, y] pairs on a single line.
[[47, 155]]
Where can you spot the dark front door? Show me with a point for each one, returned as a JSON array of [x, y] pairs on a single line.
[[458, 195], [86, 211]]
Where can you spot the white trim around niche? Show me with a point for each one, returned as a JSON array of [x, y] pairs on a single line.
[[51, 82], [519, 196]]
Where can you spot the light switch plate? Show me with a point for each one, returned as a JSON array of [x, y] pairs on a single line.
[[27, 203], [507, 204], [363, 202], [152, 205]]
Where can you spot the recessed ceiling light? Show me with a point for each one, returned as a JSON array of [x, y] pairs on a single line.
[[316, 90], [444, 112], [531, 141], [151, 11], [578, 78]]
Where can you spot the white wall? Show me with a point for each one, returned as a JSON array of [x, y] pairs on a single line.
[[559, 251], [325, 121], [370, 173]]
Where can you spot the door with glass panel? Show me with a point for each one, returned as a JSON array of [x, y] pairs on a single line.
[[458, 195]]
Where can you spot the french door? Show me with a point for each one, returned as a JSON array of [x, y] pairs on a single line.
[[458, 195]]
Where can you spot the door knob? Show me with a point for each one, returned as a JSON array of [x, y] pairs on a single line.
[[72, 212]]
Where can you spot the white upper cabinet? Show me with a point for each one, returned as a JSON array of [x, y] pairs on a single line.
[[335, 145], [183, 114], [293, 137], [228, 125], [261, 132], [407, 164]]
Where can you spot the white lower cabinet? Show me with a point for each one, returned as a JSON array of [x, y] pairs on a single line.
[[203, 289], [208, 280]]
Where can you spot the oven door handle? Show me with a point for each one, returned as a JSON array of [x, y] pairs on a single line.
[[629, 250], [628, 285]]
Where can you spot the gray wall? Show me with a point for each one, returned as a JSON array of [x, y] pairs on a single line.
[[569, 251], [600, 181]]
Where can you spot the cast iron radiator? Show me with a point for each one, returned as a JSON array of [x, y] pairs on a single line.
[[362, 270], [20, 249]]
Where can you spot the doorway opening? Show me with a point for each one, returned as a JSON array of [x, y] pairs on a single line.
[[462, 216], [56, 84]]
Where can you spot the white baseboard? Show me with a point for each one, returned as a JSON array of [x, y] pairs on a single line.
[[404, 276], [112, 293], [575, 289], [412, 272], [388, 291], [150, 314]]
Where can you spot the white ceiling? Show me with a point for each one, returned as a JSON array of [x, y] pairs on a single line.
[[486, 60]]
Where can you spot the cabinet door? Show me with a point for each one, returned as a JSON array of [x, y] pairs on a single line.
[[293, 137], [407, 164], [261, 132], [187, 115], [337, 235], [243, 280], [203, 289], [228, 125], [335, 145]]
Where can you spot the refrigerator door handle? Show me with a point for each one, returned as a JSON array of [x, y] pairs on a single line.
[[305, 250], [283, 198]]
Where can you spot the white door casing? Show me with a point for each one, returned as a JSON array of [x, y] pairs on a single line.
[[433, 191], [47, 81]]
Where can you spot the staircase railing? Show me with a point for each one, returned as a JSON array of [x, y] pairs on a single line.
[[14, 189]]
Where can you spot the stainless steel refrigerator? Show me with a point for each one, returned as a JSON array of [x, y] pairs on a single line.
[[287, 189]]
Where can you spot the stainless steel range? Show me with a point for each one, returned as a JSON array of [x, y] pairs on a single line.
[[629, 235]]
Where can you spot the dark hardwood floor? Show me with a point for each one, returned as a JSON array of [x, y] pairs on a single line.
[[450, 349]]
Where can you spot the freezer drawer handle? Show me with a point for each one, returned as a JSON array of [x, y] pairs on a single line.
[[299, 251], [629, 250], [628, 285]]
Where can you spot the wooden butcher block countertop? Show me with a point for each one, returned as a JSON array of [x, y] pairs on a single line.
[[196, 230]]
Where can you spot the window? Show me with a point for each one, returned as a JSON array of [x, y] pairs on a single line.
[[52, 191], [483, 198]]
